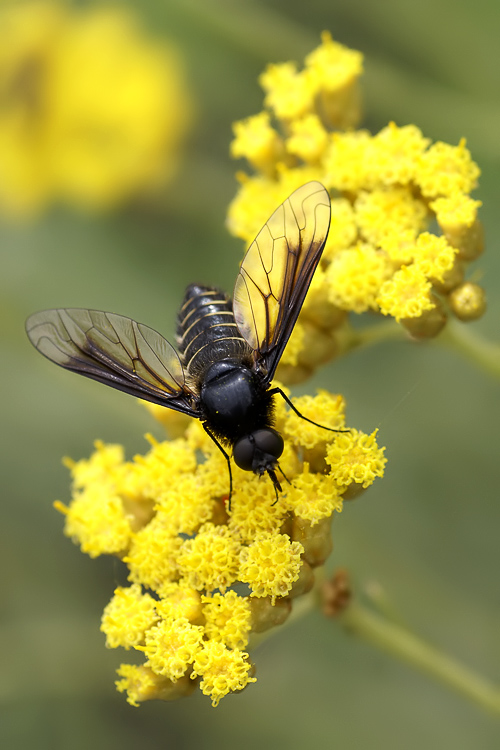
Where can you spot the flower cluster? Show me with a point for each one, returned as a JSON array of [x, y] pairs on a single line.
[[404, 226], [92, 112], [204, 576]]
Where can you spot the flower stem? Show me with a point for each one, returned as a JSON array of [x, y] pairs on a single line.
[[356, 338], [460, 338], [401, 643]]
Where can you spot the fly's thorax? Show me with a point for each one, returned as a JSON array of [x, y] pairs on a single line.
[[234, 401]]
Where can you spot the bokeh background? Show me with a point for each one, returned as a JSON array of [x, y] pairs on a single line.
[[428, 532]]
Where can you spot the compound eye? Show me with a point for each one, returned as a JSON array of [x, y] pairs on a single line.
[[243, 453], [269, 441]]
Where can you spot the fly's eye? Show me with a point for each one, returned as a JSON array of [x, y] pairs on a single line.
[[243, 453], [269, 441]]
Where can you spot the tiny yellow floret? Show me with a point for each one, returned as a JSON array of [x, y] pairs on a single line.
[[289, 94], [355, 458], [223, 670], [270, 565], [127, 617], [308, 139], [142, 684], [258, 142], [210, 560], [354, 277], [228, 618], [171, 646], [406, 295], [444, 170], [434, 256]]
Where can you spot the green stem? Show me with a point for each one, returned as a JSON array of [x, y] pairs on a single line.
[[460, 338], [395, 639], [356, 338], [404, 645]]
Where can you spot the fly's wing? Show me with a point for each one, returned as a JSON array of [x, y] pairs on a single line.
[[114, 350], [276, 272]]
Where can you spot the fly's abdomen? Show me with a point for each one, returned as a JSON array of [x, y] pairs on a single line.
[[206, 330]]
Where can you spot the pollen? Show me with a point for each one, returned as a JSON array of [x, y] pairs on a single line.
[[210, 560], [228, 619], [270, 565], [223, 670], [355, 458], [127, 617], [406, 295], [171, 646]]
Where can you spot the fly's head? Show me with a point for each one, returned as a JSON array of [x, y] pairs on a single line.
[[259, 452]]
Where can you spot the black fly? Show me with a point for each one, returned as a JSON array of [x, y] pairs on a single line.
[[228, 350]]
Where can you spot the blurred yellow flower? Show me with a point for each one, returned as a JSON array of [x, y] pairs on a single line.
[[181, 610], [92, 111]]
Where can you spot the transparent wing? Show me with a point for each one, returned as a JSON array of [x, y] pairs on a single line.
[[276, 272], [114, 350]]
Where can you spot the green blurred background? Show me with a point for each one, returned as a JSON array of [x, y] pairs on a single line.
[[428, 532]]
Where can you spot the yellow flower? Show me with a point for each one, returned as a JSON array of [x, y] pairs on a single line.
[[288, 93], [210, 560], [457, 217], [354, 277], [387, 191], [313, 497], [434, 256], [92, 111], [96, 519], [355, 458], [395, 154], [347, 162], [142, 684], [308, 138], [178, 600], [406, 295], [228, 619], [171, 646], [152, 557], [258, 142], [127, 617], [183, 543], [223, 670], [388, 211], [335, 71], [444, 170], [270, 565]]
